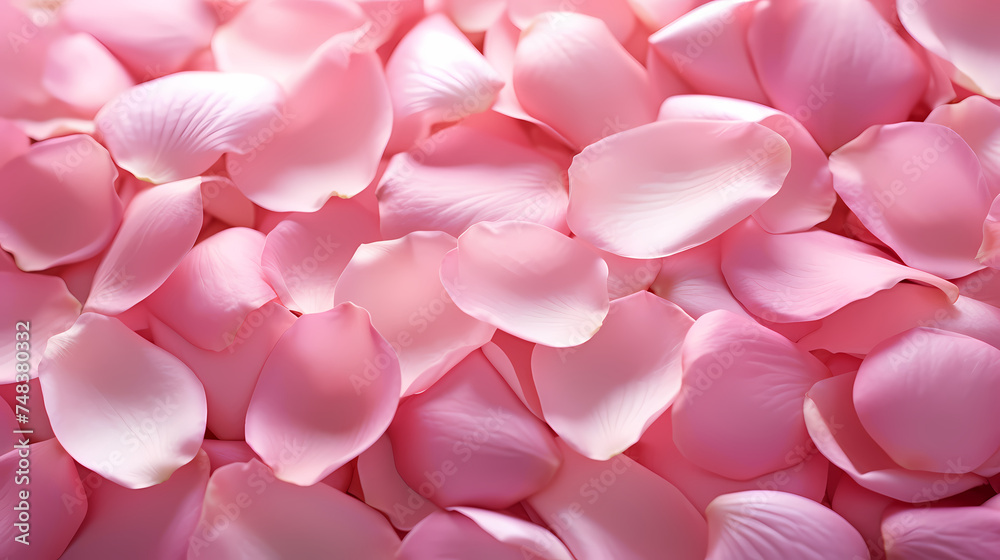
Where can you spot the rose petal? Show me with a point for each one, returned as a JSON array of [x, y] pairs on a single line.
[[386, 491], [977, 120], [616, 14], [952, 533], [45, 306]]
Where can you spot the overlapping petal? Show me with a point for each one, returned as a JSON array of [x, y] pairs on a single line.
[[44, 305]]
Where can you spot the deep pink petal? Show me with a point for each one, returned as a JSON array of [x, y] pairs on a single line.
[[598, 414], [739, 413], [120, 405], [159, 227], [327, 391], [386, 491], [627, 198], [962, 533], [528, 280], [399, 283], [58, 203], [528, 538]]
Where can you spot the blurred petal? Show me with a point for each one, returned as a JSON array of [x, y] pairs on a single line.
[[806, 276], [58, 203], [214, 288], [159, 227], [928, 397], [618, 509], [626, 198], [74, 60], [120, 405], [837, 67], [470, 176], [285, 520], [600, 415], [175, 127], [330, 361], [572, 74], [739, 413], [399, 283], [892, 174], [767, 524], [49, 309], [528, 280], [616, 14]]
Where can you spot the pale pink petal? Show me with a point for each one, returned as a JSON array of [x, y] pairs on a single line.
[[177, 126], [977, 120], [285, 520], [618, 509], [859, 326], [436, 75], [214, 288], [528, 280], [229, 375], [707, 48], [627, 198], [511, 356], [399, 283], [572, 74], [806, 197], [386, 491], [45, 307], [159, 227], [658, 13], [462, 534], [120, 405], [530, 539], [891, 174], [470, 176], [809, 275], [468, 441], [327, 391], [43, 503], [153, 523], [962, 34], [474, 16], [627, 276], [739, 413], [837, 67], [303, 156], [928, 397], [222, 200], [150, 38], [74, 60], [277, 38], [834, 427], [616, 14], [693, 280], [954, 533], [305, 254], [806, 474], [768, 524], [58, 202], [600, 415]]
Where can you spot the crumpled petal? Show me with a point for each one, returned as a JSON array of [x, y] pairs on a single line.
[[120, 405], [928, 398], [229, 375], [49, 309], [806, 197], [327, 391], [154, 522], [58, 203], [55, 504], [158, 228], [739, 413], [837, 67], [467, 440], [890, 177], [572, 74], [399, 283], [177, 126], [216, 285], [619, 509], [961, 33], [470, 176], [627, 198], [528, 280], [809, 275], [285, 520], [768, 524], [599, 414], [305, 254]]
